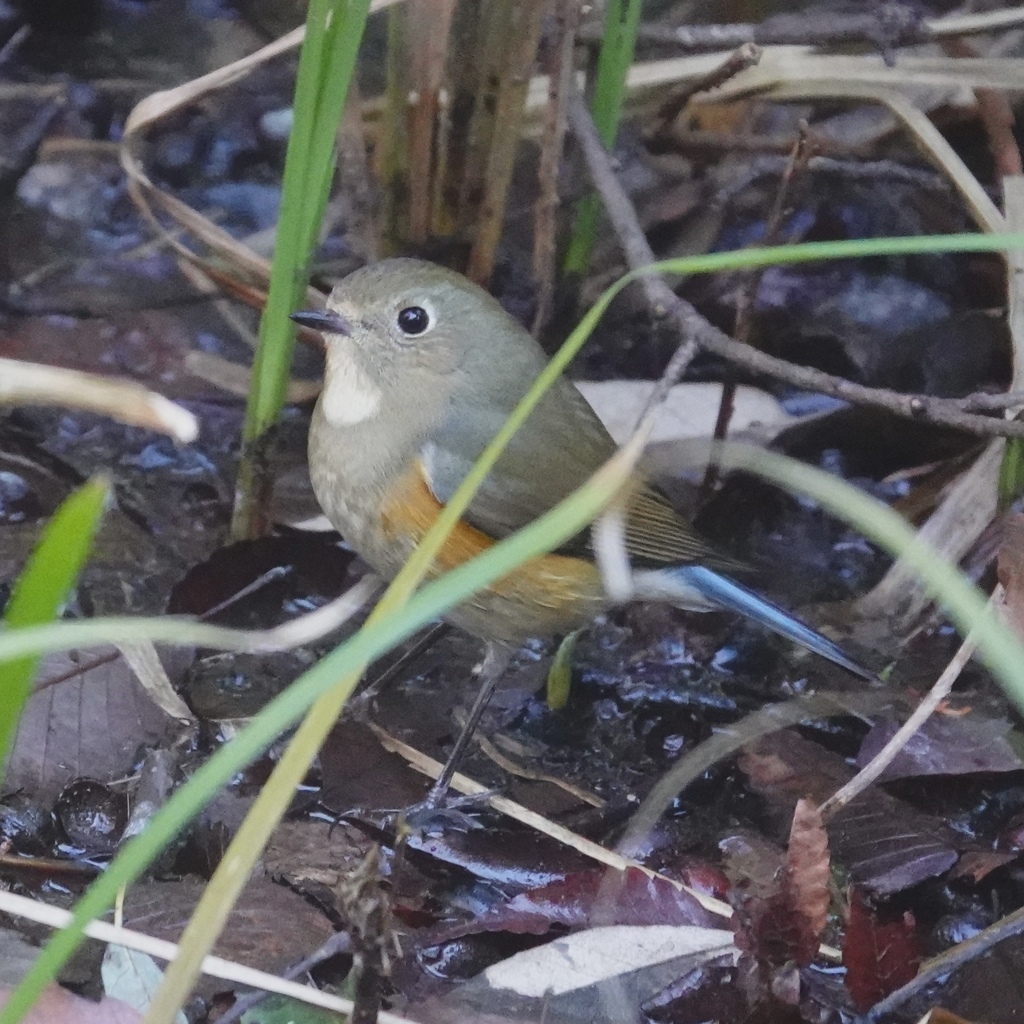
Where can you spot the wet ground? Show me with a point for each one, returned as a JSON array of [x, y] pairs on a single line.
[[84, 285]]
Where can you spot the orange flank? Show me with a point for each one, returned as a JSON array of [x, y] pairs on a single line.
[[559, 586]]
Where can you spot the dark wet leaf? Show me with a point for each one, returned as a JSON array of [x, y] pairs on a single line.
[[706, 993], [255, 583], [946, 745], [358, 772], [889, 846], [987, 988], [269, 928], [598, 897], [236, 686], [88, 717], [885, 844], [507, 856], [879, 955]]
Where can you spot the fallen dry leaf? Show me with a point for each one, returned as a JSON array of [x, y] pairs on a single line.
[[807, 871], [879, 956], [58, 1006]]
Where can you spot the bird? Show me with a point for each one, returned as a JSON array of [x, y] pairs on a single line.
[[422, 369]]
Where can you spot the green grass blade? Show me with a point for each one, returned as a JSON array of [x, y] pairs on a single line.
[[559, 681], [334, 29], [41, 591], [618, 44], [963, 602], [1011, 472], [553, 529], [427, 604]]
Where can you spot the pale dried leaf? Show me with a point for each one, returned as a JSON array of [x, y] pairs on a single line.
[[145, 663], [597, 955], [133, 978], [689, 411], [123, 400]]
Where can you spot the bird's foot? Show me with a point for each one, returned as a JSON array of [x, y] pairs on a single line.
[[444, 810], [431, 816]]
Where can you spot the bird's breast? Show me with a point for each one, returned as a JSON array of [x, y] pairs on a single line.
[[381, 504]]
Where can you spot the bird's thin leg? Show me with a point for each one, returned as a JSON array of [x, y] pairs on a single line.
[[496, 661], [358, 707]]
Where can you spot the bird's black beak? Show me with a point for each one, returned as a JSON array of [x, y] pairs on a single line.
[[323, 320]]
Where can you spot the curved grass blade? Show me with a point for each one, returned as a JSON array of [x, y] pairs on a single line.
[[440, 595], [41, 591]]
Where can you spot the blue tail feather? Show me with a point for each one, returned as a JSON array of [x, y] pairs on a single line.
[[735, 597]]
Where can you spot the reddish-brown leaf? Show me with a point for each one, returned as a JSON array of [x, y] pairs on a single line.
[[592, 898], [783, 925], [807, 873], [770, 930], [879, 956], [808, 865]]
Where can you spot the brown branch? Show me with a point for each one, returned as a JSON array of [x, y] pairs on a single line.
[[887, 26], [983, 401], [702, 335], [996, 115], [560, 71], [744, 323]]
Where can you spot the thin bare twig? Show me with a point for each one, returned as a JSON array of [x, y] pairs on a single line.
[[337, 944], [937, 968], [886, 25], [744, 325], [702, 335], [745, 57], [935, 696], [560, 71]]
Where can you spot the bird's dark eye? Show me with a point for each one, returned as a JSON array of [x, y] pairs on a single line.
[[413, 320]]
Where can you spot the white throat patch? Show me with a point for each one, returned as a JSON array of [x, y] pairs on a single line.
[[349, 396]]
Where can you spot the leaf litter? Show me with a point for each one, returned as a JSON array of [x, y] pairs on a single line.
[[90, 291]]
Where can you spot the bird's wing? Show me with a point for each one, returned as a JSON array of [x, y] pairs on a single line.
[[657, 535], [559, 446], [555, 451]]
